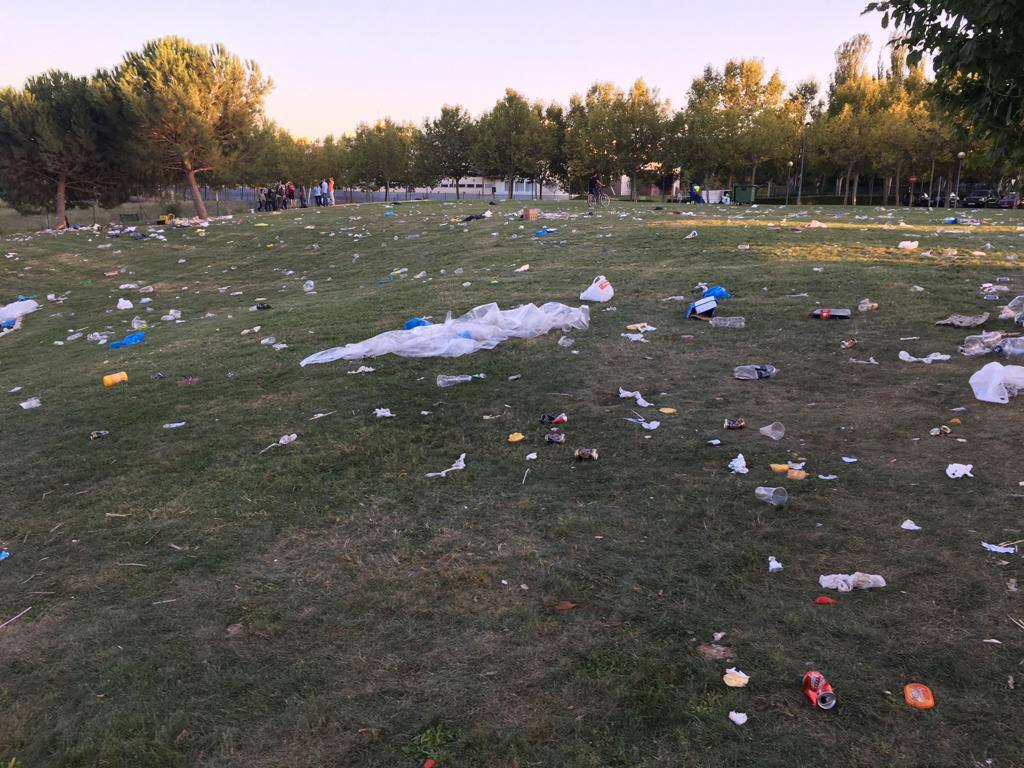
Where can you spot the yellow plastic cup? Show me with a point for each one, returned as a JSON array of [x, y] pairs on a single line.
[[113, 379]]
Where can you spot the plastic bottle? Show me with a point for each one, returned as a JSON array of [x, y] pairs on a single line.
[[1012, 348], [827, 313], [451, 381], [751, 372], [728, 322]]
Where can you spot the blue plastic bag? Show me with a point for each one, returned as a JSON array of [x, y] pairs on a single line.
[[130, 340], [717, 292], [416, 322]]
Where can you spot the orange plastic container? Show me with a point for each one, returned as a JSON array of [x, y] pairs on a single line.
[[918, 695], [113, 379]]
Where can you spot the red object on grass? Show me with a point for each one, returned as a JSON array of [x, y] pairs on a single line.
[[823, 600], [430, 763]]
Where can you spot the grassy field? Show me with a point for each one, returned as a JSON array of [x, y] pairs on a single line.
[[197, 603]]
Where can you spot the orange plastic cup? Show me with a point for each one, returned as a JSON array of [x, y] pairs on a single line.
[[918, 695], [113, 379]]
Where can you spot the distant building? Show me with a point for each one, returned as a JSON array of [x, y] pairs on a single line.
[[482, 187]]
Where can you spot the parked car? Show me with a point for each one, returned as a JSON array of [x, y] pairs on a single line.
[[1011, 200], [981, 197]]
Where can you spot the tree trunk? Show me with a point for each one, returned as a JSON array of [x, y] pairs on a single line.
[[931, 182], [633, 191], [856, 184], [846, 185], [511, 181], [753, 174], [896, 180], [61, 219], [457, 187], [197, 199], [387, 190]]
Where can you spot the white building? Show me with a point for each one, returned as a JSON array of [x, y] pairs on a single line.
[[481, 187]]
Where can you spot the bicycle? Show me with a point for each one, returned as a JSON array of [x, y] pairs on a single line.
[[602, 198]]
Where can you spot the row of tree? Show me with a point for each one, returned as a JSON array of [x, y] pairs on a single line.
[[175, 111]]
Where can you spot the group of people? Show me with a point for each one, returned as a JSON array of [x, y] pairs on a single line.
[[284, 195]]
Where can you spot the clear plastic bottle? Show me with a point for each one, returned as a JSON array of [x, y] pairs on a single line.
[[1012, 348], [451, 381], [728, 322], [752, 372]]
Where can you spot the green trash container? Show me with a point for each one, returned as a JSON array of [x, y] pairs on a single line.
[[743, 193]]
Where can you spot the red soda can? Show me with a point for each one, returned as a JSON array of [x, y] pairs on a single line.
[[818, 689], [734, 423], [586, 454], [555, 437], [559, 419]]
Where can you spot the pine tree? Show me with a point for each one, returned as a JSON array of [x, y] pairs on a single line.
[[59, 145], [194, 107]]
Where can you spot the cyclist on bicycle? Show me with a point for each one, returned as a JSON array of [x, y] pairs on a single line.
[[595, 185]]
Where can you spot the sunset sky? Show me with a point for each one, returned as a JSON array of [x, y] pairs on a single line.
[[336, 64]]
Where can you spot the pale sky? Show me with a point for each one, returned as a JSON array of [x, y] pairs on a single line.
[[335, 64]]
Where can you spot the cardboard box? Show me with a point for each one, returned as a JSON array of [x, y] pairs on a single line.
[[530, 214]]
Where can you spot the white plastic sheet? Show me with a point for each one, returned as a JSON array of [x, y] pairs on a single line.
[[17, 309], [483, 327]]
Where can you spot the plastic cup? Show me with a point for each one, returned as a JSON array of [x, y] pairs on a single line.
[[774, 496], [775, 430], [113, 379]]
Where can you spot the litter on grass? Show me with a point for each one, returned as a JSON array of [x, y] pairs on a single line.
[[636, 396], [1007, 550], [283, 440], [906, 357], [997, 383], [846, 582], [773, 564], [483, 327], [599, 290], [956, 471], [738, 466], [735, 678], [460, 463]]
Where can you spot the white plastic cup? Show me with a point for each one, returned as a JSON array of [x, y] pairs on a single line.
[[774, 496], [775, 430]]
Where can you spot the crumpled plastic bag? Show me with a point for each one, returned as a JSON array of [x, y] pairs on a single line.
[[459, 463], [847, 582], [997, 383], [17, 309], [599, 290], [956, 471], [906, 357], [965, 321], [636, 396], [483, 327]]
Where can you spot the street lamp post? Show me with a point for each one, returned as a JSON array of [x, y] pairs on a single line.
[[959, 165], [803, 157], [789, 178]]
